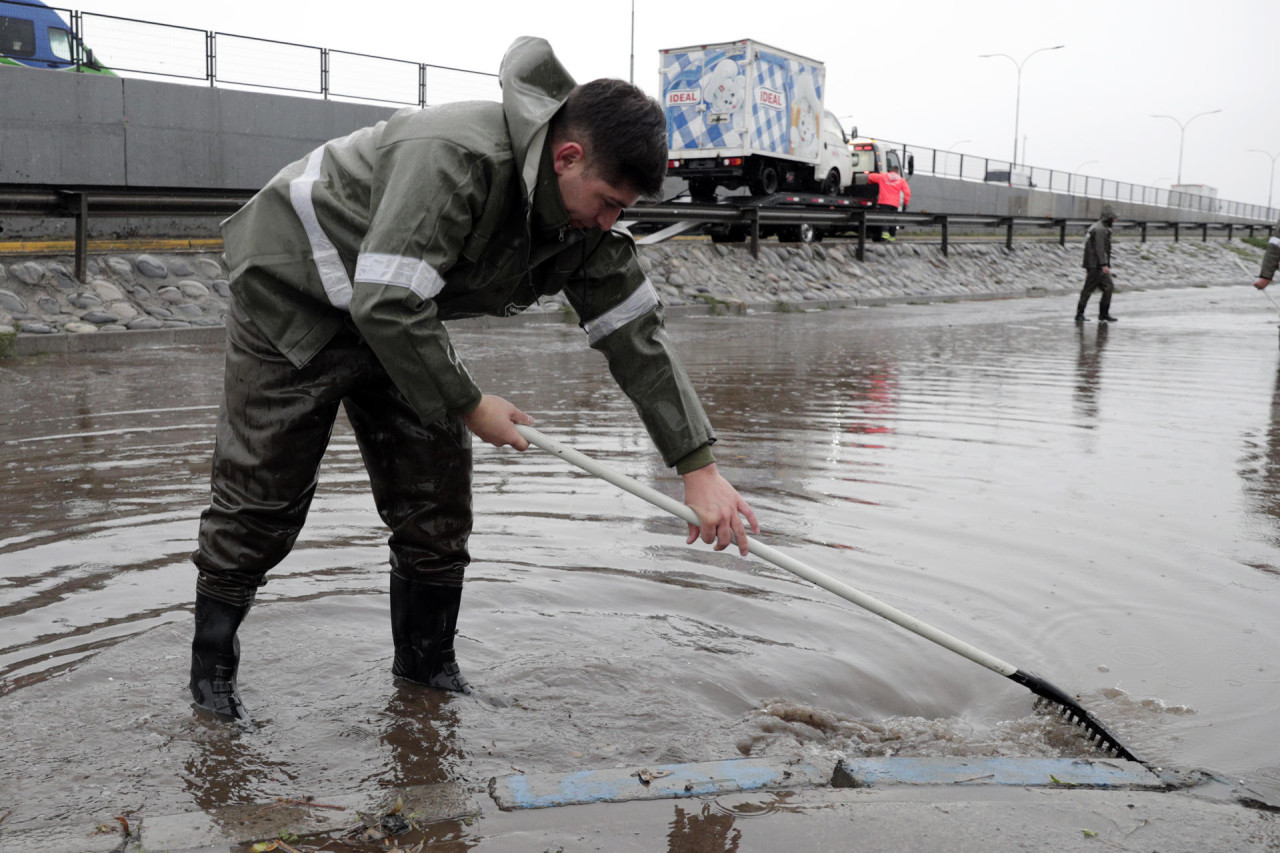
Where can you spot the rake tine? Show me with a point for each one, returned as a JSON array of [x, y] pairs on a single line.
[[1072, 711]]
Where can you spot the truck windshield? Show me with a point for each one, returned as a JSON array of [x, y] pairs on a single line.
[[60, 43]]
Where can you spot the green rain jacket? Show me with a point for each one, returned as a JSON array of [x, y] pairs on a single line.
[[447, 212], [1097, 246]]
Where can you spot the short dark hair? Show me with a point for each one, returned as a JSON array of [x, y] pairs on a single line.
[[622, 130]]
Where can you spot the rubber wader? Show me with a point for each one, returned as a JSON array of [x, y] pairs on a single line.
[[424, 618], [215, 657]]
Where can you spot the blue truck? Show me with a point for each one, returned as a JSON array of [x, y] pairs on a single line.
[[34, 35]]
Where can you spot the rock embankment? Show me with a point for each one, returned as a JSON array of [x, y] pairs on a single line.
[[122, 293]]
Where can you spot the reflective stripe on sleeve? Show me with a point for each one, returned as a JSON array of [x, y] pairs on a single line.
[[333, 275], [644, 300], [413, 273]]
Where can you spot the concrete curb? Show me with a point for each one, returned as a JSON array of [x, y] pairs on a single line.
[[387, 810], [1023, 772], [664, 781]]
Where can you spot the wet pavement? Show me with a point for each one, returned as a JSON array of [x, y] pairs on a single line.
[[1097, 504]]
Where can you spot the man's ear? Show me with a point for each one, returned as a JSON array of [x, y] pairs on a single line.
[[565, 155]]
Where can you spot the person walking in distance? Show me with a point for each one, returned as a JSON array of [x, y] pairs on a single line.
[[1097, 265], [1270, 260], [342, 270]]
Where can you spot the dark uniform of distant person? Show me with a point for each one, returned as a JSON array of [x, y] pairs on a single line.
[[1270, 260], [1097, 265], [342, 269]]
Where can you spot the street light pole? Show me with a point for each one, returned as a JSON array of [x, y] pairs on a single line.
[[1183, 136], [1017, 101], [1272, 180]]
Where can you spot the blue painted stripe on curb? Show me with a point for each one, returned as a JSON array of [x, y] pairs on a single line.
[[544, 790], [1025, 772]]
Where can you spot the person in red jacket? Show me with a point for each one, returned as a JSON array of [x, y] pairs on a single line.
[[895, 194]]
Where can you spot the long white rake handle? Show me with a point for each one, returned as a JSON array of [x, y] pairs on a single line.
[[772, 555]]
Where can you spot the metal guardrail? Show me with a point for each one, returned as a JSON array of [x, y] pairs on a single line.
[[82, 203], [750, 221]]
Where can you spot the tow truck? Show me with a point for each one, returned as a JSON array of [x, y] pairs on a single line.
[[771, 216]]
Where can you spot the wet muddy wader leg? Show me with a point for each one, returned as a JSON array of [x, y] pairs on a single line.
[[215, 657], [273, 428], [1104, 307], [421, 481], [1092, 280]]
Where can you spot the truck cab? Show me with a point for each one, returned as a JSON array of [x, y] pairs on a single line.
[[834, 171], [870, 156], [36, 36]]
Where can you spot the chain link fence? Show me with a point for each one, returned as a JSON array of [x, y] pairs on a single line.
[[164, 51], [969, 167]]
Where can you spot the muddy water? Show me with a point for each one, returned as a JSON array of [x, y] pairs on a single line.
[[1100, 505]]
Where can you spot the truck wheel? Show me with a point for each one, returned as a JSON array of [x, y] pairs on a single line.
[[702, 191], [831, 186], [766, 180], [728, 234], [804, 233]]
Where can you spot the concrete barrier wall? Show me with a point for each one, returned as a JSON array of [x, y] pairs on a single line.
[[931, 194], [83, 129], [66, 128]]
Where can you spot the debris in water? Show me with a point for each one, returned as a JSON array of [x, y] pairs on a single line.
[[646, 775], [389, 825]]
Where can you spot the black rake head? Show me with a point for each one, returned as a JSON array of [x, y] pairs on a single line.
[[1071, 710]]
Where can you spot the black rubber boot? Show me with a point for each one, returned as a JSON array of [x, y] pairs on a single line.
[[424, 618], [1104, 309], [1081, 305], [215, 657]]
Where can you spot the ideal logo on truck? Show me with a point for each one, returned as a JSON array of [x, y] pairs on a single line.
[[770, 98]]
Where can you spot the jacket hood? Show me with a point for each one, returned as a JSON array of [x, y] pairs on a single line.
[[534, 86]]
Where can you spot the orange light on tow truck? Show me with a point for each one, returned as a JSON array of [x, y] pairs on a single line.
[[732, 161]]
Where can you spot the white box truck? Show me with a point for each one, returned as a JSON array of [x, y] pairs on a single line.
[[743, 113]]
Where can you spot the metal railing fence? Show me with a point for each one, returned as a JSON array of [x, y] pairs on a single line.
[[970, 167], [152, 50]]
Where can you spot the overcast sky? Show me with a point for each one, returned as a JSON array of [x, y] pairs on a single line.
[[905, 71]]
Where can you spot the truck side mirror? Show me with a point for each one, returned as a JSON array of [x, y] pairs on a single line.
[[911, 165]]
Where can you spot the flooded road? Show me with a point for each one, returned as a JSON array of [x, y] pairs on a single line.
[[1100, 505]]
